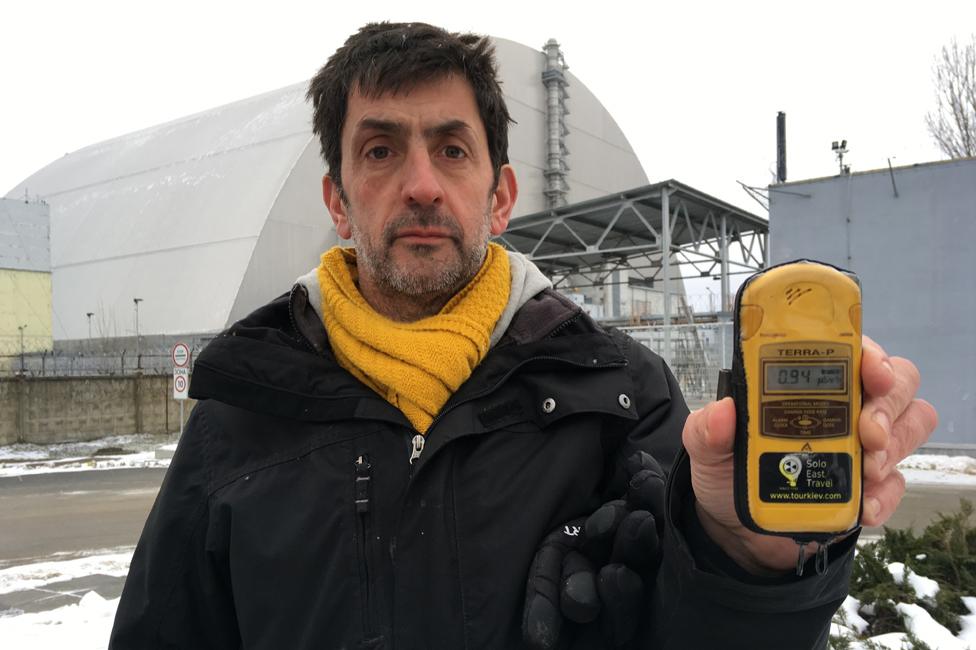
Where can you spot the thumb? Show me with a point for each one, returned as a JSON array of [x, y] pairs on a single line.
[[709, 432]]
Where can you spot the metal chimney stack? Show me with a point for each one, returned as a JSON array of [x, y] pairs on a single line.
[[556, 168], [781, 147]]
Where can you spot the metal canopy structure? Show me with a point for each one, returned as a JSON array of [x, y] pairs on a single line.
[[629, 231]]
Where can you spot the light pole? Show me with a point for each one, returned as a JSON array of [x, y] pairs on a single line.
[[22, 328], [89, 315], [136, 302]]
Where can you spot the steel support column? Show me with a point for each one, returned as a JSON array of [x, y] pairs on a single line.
[[724, 274], [666, 269]]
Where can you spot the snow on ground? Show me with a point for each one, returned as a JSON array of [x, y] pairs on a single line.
[[852, 618], [116, 452], [968, 622], [937, 469], [113, 452], [920, 623], [139, 451], [32, 576], [923, 587], [82, 626]]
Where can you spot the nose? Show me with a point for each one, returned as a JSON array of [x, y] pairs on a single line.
[[420, 184]]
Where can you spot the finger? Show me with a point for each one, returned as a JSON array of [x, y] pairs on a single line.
[[641, 461], [637, 543], [709, 433], [880, 411], [541, 619], [646, 492], [882, 498], [578, 598], [909, 432], [600, 529], [622, 592], [877, 373]]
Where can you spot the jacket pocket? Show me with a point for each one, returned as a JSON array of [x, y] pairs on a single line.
[[363, 477]]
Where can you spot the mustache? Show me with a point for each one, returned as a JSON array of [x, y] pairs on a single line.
[[421, 217]]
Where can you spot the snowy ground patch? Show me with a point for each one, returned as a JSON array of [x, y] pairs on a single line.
[[112, 452], [939, 470], [82, 626], [32, 576], [922, 586]]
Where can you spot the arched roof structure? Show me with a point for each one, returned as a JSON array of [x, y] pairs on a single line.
[[206, 217]]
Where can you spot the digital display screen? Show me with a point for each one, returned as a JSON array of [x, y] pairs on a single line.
[[801, 377]]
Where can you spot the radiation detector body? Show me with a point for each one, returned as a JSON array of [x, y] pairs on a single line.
[[796, 382]]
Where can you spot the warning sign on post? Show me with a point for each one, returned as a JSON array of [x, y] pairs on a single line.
[[181, 355], [181, 383]]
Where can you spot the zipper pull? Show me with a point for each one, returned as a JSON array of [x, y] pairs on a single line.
[[418, 448], [362, 484]]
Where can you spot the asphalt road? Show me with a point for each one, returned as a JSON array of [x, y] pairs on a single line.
[[70, 512], [74, 512]]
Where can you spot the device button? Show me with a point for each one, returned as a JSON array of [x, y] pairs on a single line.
[[855, 314], [750, 320]]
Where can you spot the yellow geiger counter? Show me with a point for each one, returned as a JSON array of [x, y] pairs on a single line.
[[796, 382]]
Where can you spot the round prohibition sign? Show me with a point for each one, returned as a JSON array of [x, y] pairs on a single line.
[[180, 383], [181, 355]]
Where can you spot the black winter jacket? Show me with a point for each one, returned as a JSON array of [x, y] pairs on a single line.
[[292, 515]]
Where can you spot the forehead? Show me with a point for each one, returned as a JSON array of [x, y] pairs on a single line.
[[438, 101]]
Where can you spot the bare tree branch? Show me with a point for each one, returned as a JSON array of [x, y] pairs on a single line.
[[953, 123]]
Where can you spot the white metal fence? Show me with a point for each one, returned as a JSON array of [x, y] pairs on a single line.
[[694, 352]]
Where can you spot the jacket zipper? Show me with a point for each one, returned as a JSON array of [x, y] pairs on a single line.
[[416, 448], [362, 514]]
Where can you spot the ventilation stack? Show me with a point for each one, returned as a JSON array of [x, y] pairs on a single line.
[[554, 79]]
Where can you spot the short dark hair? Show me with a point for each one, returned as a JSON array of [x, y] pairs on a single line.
[[393, 57]]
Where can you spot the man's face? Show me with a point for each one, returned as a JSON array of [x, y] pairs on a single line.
[[418, 195]]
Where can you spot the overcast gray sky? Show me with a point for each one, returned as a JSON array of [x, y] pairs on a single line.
[[695, 86]]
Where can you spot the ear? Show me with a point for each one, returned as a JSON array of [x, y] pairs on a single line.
[[337, 207], [503, 200]]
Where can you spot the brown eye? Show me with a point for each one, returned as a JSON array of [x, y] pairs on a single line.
[[378, 153]]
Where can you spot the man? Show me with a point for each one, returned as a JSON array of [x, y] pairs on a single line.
[[378, 455]]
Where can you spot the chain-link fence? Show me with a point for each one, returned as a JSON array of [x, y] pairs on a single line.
[[695, 353], [87, 364]]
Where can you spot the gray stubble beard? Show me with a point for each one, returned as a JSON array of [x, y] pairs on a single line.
[[390, 278]]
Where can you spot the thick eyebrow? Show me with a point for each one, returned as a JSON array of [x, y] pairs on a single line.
[[391, 127], [374, 124], [447, 128]]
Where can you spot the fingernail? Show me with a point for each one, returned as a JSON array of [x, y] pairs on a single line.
[[882, 419], [873, 507], [887, 364]]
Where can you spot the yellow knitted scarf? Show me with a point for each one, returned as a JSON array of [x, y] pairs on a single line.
[[415, 366]]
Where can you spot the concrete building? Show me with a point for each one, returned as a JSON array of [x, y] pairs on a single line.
[[206, 217], [908, 233], [25, 279]]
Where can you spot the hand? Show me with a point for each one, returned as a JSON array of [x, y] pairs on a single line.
[[892, 425], [590, 573]]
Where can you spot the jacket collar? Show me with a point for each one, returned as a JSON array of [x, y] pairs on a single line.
[[278, 360]]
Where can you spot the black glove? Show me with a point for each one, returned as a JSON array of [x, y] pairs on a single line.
[[589, 577]]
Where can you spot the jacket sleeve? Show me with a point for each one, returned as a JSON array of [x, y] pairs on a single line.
[[701, 598], [177, 593]]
